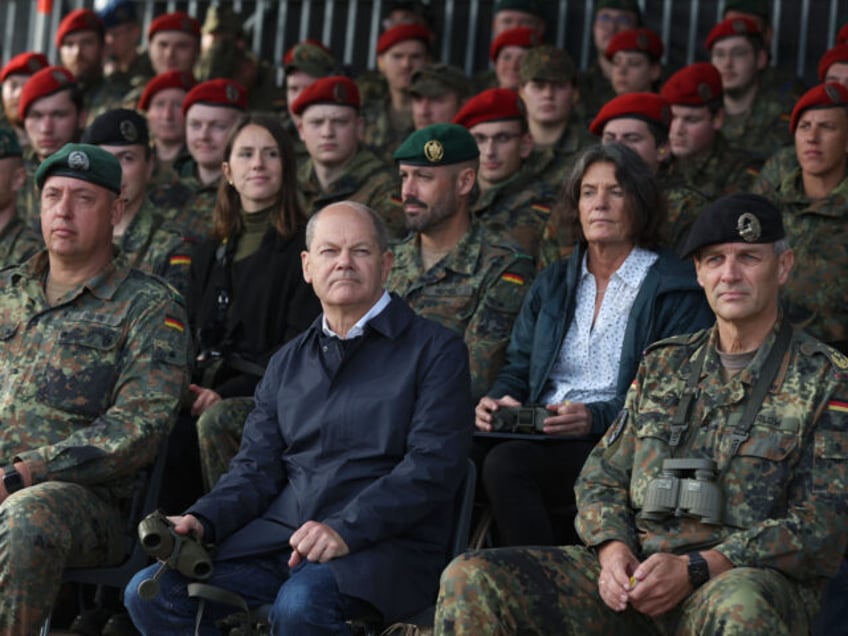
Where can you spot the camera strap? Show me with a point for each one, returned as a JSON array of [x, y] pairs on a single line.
[[740, 433]]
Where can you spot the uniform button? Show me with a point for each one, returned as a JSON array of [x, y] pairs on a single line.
[[325, 348]]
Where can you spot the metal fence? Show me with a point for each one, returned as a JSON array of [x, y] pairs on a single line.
[[804, 29]]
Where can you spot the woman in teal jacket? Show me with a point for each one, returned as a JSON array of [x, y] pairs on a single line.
[[576, 344]]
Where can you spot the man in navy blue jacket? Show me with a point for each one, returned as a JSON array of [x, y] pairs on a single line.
[[339, 500]]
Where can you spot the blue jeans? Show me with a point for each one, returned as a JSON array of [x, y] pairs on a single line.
[[306, 600]]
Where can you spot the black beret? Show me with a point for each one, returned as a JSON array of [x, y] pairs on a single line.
[[735, 218], [119, 127]]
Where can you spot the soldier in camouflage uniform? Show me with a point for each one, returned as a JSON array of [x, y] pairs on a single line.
[[611, 17], [549, 91], [52, 111], [13, 76], [211, 109], [17, 240], [94, 361], [401, 51], [754, 560], [754, 120], [451, 269], [701, 157], [123, 62], [339, 168], [438, 92], [512, 203], [814, 201], [144, 237], [80, 41]]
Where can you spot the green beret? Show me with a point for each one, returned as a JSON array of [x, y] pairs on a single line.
[[546, 63], [621, 5], [222, 20], [754, 7], [527, 6], [9, 146], [735, 218], [84, 162], [434, 80], [438, 145]]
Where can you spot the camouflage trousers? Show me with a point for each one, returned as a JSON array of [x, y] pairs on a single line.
[[219, 431], [43, 529], [555, 591]]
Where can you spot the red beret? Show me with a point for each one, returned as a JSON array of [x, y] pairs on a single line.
[[176, 21], [524, 37], [842, 36], [694, 85], [79, 20], [336, 89], [830, 95], [168, 79], [217, 92], [741, 25], [491, 105], [838, 53], [403, 32], [640, 40], [44, 83], [649, 107], [24, 64]]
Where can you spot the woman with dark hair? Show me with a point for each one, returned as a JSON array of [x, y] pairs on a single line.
[[576, 344], [247, 295]]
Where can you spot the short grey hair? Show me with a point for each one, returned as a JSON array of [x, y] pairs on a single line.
[[781, 245], [381, 234]]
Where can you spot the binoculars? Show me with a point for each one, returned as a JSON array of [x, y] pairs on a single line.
[[181, 552], [520, 419], [673, 493]]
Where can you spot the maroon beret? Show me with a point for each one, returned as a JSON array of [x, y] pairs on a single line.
[[648, 107], [168, 79], [838, 53], [176, 21], [641, 40], [524, 37], [830, 95], [24, 64], [79, 20], [842, 36], [493, 104], [44, 83], [695, 85], [401, 33], [741, 25], [217, 92], [336, 89]]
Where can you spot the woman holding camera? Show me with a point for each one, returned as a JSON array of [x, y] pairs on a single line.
[[576, 344]]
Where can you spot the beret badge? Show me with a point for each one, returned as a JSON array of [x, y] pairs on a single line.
[[78, 160], [434, 151], [749, 227], [231, 93], [128, 130], [340, 93]]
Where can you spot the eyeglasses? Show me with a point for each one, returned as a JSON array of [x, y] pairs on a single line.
[[623, 21], [499, 139]]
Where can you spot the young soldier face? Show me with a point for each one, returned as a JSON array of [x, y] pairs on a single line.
[[165, 115], [821, 141], [207, 130], [136, 170], [503, 148], [330, 133], [51, 122], [12, 86], [633, 72], [608, 23], [738, 62], [82, 54], [511, 19], [508, 66], [635, 134], [435, 109], [693, 130], [296, 82], [401, 61], [173, 51], [838, 72], [548, 103]]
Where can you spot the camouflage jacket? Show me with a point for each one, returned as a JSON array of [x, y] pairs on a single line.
[[552, 165], [29, 196], [194, 216], [156, 246], [595, 91], [777, 168], [723, 170], [816, 295], [366, 180], [785, 489], [476, 290], [684, 203], [102, 95], [137, 74], [763, 130], [380, 135], [89, 386], [516, 210], [18, 242]]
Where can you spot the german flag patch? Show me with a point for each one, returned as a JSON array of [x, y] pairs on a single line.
[[840, 406], [183, 260], [544, 209], [173, 323], [515, 279]]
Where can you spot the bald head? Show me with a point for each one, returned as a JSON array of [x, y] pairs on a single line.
[[381, 236]]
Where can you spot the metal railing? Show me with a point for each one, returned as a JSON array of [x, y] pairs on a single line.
[[804, 29]]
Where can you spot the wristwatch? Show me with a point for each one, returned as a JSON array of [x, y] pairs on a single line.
[[12, 479], [699, 571]]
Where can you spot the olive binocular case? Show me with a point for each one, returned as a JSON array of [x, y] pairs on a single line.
[[181, 552], [686, 488], [520, 419]]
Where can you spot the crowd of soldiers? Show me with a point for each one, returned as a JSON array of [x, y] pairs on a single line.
[[466, 249]]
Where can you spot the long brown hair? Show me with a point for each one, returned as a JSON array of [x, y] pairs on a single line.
[[287, 217]]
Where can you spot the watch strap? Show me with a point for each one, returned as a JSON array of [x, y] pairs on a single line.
[[12, 479], [699, 569]]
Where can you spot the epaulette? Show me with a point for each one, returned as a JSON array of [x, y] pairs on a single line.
[[681, 340], [813, 346]]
